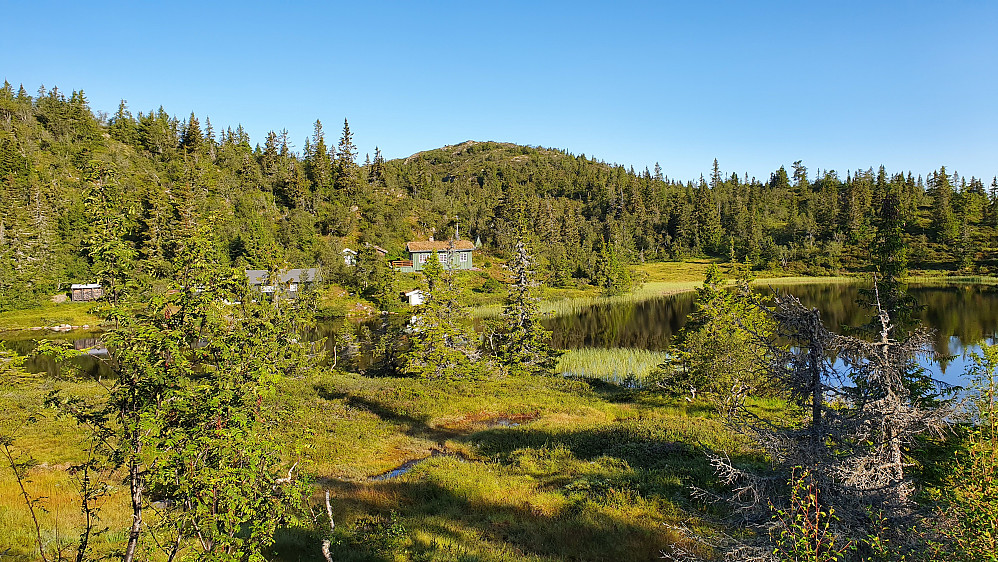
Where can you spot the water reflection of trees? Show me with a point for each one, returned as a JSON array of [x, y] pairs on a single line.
[[962, 316], [85, 365], [643, 325]]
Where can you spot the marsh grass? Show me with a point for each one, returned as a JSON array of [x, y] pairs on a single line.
[[49, 314], [574, 305], [651, 289], [56, 444], [577, 469], [951, 280], [804, 280], [592, 474], [622, 366]]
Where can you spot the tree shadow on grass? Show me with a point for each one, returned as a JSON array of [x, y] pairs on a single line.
[[579, 530], [409, 425]]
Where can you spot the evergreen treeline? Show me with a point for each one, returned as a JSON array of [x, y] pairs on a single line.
[[270, 206]]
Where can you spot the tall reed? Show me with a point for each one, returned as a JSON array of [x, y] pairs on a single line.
[[623, 366]]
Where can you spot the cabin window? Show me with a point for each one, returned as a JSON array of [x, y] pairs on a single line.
[[422, 258], [442, 258], [464, 256]]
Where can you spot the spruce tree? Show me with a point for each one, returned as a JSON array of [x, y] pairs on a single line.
[[890, 256], [440, 346], [192, 139], [346, 162], [523, 345], [944, 220]]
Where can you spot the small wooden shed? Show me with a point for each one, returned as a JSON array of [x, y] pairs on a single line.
[[415, 297], [82, 292]]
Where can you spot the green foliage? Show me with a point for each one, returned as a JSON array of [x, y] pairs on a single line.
[[274, 207], [720, 349], [181, 417], [611, 274], [440, 345], [971, 491], [110, 255], [890, 256], [522, 345], [805, 533]]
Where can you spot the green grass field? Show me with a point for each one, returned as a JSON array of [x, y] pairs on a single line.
[[535, 468], [49, 314], [586, 466]]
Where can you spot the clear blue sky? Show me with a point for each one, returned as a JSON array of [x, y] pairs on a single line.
[[837, 84]]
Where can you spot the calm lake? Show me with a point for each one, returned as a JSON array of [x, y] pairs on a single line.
[[962, 316]]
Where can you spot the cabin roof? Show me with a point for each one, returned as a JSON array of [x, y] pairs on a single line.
[[439, 245], [260, 276], [299, 275], [257, 276], [75, 286]]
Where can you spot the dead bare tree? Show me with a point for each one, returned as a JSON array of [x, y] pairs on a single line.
[[892, 404], [848, 430]]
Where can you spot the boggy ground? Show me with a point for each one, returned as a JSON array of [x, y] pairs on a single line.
[[534, 468]]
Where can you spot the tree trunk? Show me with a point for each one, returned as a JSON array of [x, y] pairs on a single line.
[[135, 484]]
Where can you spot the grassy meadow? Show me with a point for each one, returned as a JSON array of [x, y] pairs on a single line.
[[49, 314], [589, 464], [534, 468]]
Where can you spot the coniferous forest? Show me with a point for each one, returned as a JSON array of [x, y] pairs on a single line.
[[206, 418], [270, 205]]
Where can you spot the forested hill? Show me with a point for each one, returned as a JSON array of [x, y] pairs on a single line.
[[75, 186]]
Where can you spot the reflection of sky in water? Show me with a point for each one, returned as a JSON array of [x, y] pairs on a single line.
[[950, 371], [961, 316]]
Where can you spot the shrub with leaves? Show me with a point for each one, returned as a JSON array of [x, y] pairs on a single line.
[[972, 486], [182, 420], [803, 531]]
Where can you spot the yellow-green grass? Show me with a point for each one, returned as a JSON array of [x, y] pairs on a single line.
[[536, 468], [585, 472], [56, 443], [627, 366], [336, 301], [672, 271], [951, 280], [572, 305], [49, 314], [655, 280], [804, 280]]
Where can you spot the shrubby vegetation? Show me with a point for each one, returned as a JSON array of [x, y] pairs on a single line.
[[201, 441]]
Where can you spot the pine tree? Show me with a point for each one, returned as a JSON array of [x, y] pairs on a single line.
[[318, 165], [440, 346], [890, 255], [123, 127], [111, 257], [346, 162], [944, 220], [523, 346], [192, 139], [720, 348]]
